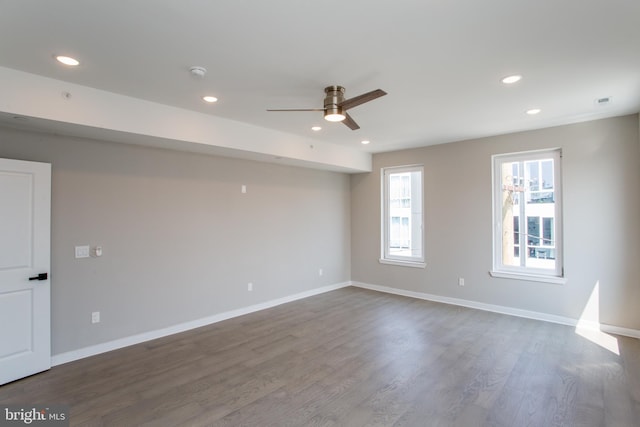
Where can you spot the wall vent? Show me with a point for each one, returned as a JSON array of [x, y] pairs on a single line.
[[603, 101]]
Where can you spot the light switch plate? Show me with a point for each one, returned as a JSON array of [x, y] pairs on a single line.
[[82, 251]]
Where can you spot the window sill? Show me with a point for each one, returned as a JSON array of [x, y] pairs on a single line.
[[403, 263], [529, 277]]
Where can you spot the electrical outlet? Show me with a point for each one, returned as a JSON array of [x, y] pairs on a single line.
[[320, 272], [460, 281], [250, 287], [95, 317]]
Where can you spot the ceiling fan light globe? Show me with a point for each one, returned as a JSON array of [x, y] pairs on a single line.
[[334, 113], [334, 117]]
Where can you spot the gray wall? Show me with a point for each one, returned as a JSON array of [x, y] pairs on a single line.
[[601, 172], [180, 240]]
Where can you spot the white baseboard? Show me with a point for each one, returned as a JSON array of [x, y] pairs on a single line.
[[617, 330], [93, 350]]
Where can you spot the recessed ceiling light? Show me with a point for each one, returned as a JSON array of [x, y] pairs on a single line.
[[365, 142], [209, 99], [316, 128], [511, 79], [533, 111], [67, 60]]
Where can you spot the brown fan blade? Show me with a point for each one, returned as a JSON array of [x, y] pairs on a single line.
[[303, 109], [351, 124], [361, 99]]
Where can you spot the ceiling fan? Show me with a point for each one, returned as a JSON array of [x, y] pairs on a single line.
[[335, 106]]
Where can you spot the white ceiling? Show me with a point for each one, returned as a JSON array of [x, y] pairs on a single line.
[[440, 61]]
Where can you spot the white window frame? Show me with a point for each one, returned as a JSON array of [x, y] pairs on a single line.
[[555, 275], [385, 256]]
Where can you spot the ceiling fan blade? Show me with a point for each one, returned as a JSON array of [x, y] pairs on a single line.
[[351, 124], [361, 99], [300, 109]]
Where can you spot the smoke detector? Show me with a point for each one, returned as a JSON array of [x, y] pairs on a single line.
[[198, 71]]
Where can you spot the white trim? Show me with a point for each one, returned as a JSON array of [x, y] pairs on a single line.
[[535, 315], [402, 263], [385, 257], [617, 330], [93, 350], [530, 277], [497, 161]]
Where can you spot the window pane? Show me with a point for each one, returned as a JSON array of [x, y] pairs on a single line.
[[394, 232], [533, 231], [547, 174], [405, 233], [509, 211], [539, 188], [533, 178], [394, 191], [547, 231]]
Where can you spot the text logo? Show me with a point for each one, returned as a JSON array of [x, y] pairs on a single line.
[[34, 415]]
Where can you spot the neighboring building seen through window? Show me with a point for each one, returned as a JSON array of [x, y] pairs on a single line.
[[527, 213], [402, 233]]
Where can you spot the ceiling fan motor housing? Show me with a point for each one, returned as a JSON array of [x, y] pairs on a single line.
[[334, 97]]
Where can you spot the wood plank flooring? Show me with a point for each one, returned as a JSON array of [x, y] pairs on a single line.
[[352, 357]]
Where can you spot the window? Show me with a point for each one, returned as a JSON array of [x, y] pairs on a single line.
[[527, 216], [402, 235]]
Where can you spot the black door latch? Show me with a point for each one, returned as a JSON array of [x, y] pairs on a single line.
[[41, 276]]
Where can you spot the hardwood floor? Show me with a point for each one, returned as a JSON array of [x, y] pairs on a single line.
[[352, 357]]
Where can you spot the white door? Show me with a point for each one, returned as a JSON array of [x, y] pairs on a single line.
[[25, 325]]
